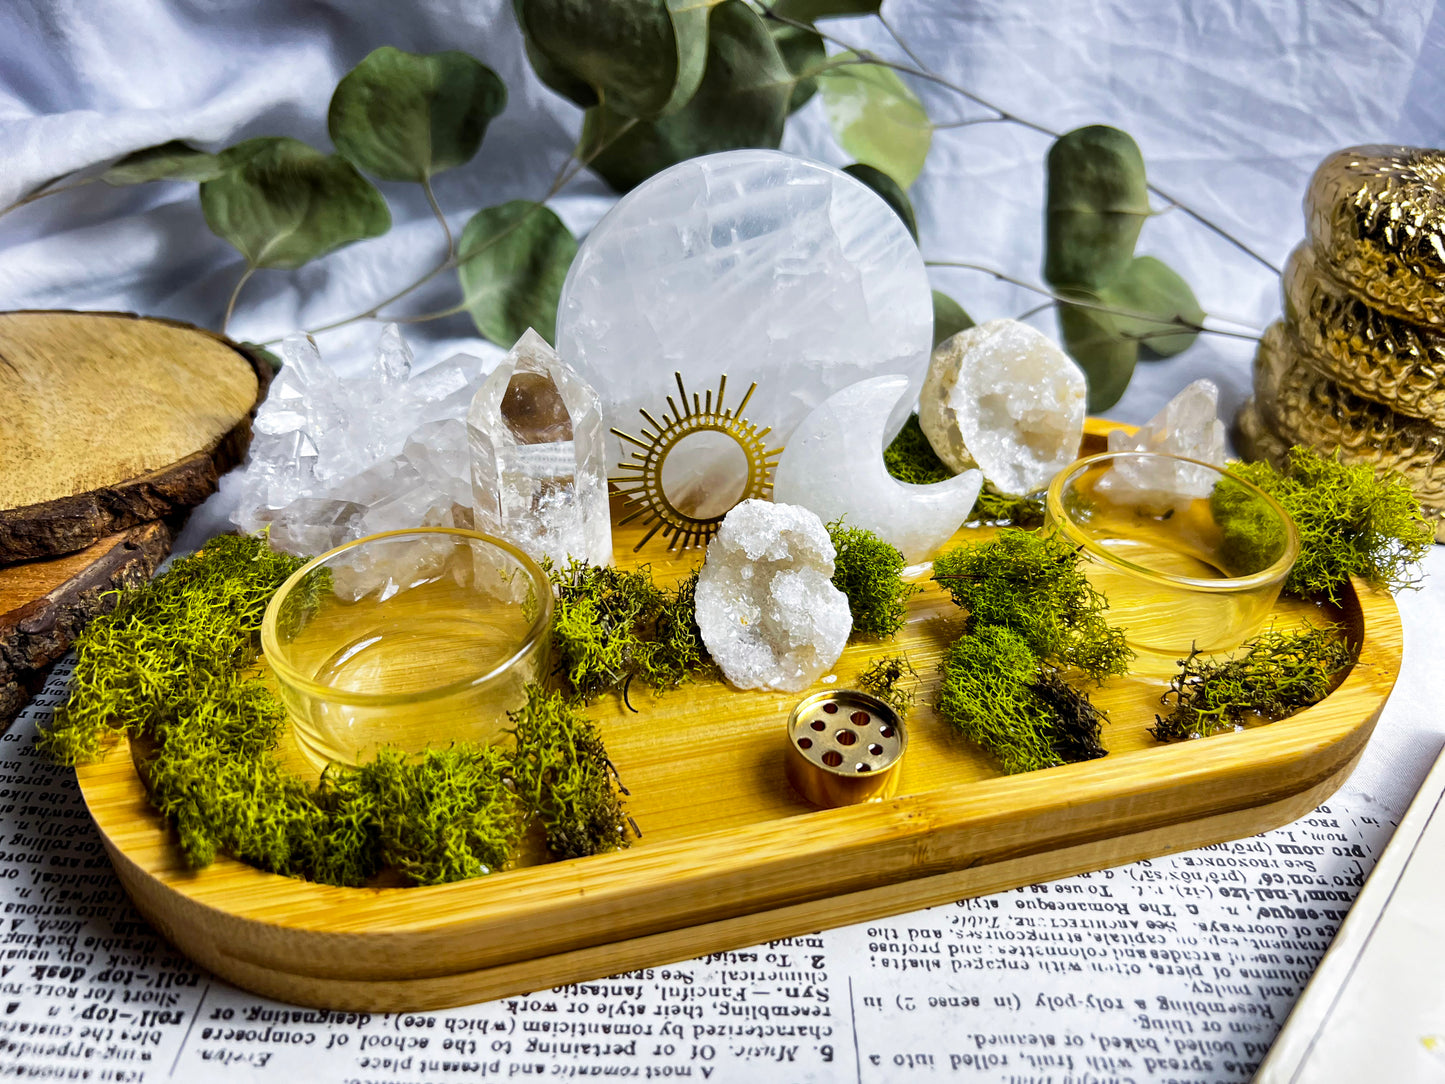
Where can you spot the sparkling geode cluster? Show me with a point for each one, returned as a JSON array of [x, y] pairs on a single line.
[[1004, 398], [766, 605]]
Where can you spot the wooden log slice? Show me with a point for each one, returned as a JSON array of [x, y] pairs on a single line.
[[111, 420], [45, 604]]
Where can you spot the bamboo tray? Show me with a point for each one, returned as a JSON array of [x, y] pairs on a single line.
[[730, 856]]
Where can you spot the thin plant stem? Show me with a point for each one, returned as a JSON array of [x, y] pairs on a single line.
[[235, 293], [1036, 310], [1094, 306], [46, 189], [919, 71], [431, 199]]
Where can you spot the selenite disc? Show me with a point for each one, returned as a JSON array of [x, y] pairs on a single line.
[[753, 263]]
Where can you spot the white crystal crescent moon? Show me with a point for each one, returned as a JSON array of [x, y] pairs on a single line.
[[833, 465]]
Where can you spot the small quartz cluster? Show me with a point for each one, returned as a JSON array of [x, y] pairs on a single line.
[[336, 459], [1188, 426], [766, 606], [1004, 398]]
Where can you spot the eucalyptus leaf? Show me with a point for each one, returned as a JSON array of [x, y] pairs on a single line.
[[515, 258], [802, 51], [283, 203], [173, 161], [948, 318], [741, 102], [876, 118], [1098, 198], [888, 188], [405, 116], [1093, 339], [1153, 287], [806, 11], [641, 58]]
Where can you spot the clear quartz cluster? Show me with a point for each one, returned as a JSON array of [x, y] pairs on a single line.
[[766, 605], [538, 462], [334, 459], [761, 265], [1004, 398], [1188, 426]]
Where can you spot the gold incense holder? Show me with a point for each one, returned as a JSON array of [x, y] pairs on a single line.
[[844, 747]]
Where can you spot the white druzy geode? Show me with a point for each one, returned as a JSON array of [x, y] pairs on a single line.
[[766, 605], [753, 263], [1004, 398]]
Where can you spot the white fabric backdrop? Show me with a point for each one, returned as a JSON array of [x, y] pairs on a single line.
[[1232, 101]]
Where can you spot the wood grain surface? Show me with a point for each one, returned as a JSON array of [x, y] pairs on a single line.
[[44, 604], [729, 856], [111, 420]]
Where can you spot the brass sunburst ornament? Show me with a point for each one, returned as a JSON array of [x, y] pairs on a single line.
[[684, 529]]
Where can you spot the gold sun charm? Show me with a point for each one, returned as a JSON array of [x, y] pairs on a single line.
[[689, 516]]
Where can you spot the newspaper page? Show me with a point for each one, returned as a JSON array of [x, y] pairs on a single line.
[[1175, 969]]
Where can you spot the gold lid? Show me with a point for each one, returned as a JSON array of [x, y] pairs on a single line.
[[844, 747]]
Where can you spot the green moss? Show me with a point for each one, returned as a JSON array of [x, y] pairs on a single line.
[[892, 680], [1350, 522], [1272, 676], [1002, 510], [910, 458], [611, 626], [169, 666], [1032, 585], [562, 773], [867, 571], [986, 693]]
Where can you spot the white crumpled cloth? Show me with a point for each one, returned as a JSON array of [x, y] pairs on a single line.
[[1233, 102]]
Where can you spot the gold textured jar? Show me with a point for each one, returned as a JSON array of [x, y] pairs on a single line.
[[1374, 354], [1302, 406], [1376, 216]]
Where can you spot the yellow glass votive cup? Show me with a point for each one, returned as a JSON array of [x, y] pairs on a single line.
[[1189, 556], [407, 639]]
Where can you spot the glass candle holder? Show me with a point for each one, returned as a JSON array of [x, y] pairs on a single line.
[[407, 639], [1189, 556]]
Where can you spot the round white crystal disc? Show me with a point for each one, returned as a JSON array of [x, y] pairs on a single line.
[[754, 263]]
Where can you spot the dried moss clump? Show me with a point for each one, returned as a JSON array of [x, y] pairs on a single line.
[[867, 571], [892, 680], [911, 458], [1350, 522], [169, 666], [996, 694], [1272, 676], [611, 626], [1032, 585], [562, 773]]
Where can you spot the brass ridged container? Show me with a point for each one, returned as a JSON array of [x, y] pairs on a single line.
[[1357, 367], [1376, 216]]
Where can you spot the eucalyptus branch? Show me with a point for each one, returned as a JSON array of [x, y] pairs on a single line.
[[570, 168], [919, 71], [1175, 321]]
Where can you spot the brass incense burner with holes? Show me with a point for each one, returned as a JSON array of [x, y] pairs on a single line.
[[844, 747]]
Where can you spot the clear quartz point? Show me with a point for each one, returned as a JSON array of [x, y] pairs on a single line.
[[539, 471]]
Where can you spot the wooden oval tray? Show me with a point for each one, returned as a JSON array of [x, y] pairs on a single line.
[[730, 856]]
